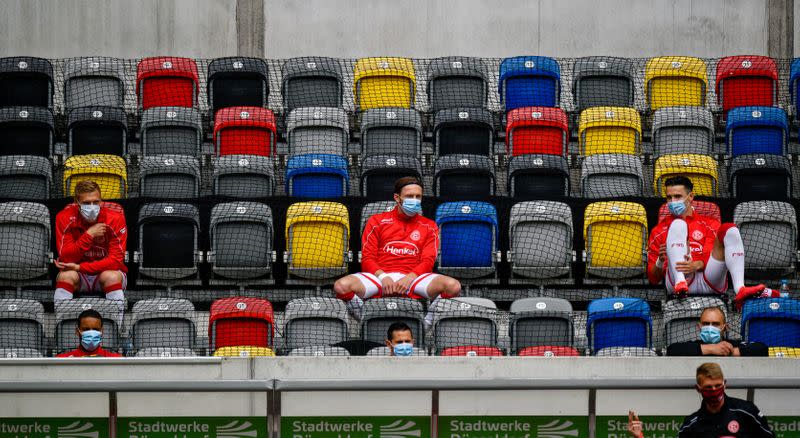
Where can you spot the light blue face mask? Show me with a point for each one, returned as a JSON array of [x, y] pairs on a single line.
[[90, 212], [411, 206], [403, 349], [710, 334], [91, 339], [677, 208]]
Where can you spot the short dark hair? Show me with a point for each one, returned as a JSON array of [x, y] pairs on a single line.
[[90, 313], [405, 181], [397, 326], [679, 180]]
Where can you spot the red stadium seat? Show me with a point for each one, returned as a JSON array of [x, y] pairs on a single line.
[[537, 130], [241, 321], [167, 81], [705, 208], [245, 130], [746, 81], [548, 350], [471, 350]]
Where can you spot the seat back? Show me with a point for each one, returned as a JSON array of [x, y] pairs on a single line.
[[468, 238], [540, 236], [682, 316], [21, 324], [537, 176], [67, 312], [171, 130], [317, 130], [609, 130], [241, 321], [383, 81], [25, 177], [164, 323], [244, 176], [618, 322], [320, 350], [457, 82], [611, 176], [464, 322], [757, 130], [705, 208], [25, 233], [700, 169], [314, 321], [169, 177], [108, 171], [675, 81], [94, 81], [464, 177], [615, 235], [683, 130], [529, 81], [755, 177], [549, 351], [391, 131], [317, 176], [374, 208], [317, 236], [167, 81], [168, 240], [602, 81], [165, 352], [26, 81], [463, 131], [794, 85], [241, 239], [27, 130], [769, 235], [379, 173], [746, 81], [774, 322], [542, 321], [237, 81], [537, 130], [244, 351], [380, 314], [471, 351], [97, 130], [311, 81], [245, 130]]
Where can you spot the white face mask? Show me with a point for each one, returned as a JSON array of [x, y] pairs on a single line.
[[90, 212]]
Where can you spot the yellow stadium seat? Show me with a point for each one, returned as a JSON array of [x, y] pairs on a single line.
[[675, 81], [784, 352], [609, 130], [108, 171], [382, 82], [317, 239], [244, 351], [615, 234], [701, 169]]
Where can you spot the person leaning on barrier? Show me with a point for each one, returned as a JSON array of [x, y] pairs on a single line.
[[400, 339], [90, 336], [712, 339]]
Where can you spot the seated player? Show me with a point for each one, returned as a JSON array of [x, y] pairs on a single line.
[[399, 339], [91, 238], [398, 250], [694, 253], [712, 340], [90, 335]]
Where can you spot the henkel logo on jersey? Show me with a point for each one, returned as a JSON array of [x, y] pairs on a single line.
[[401, 248]]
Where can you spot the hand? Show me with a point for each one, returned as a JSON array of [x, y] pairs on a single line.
[[67, 266], [688, 266], [662, 254], [634, 425], [723, 348], [404, 283], [97, 230], [387, 286]]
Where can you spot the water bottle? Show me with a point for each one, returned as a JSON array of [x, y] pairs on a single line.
[[784, 288]]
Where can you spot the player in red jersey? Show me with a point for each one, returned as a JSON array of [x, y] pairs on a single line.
[[90, 333], [398, 250], [91, 238], [694, 253]]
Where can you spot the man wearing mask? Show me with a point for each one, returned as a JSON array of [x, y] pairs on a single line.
[[399, 339], [694, 253], [91, 238], [398, 250], [90, 334], [712, 340]]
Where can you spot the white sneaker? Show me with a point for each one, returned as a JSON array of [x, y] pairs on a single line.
[[356, 307]]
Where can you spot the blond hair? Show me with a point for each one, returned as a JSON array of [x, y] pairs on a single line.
[[86, 186], [709, 370]]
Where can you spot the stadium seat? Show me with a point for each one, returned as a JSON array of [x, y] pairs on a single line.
[[110, 172], [311, 81], [169, 177], [171, 130], [618, 322], [241, 235], [547, 351], [611, 176], [464, 322], [471, 351], [794, 86], [162, 323], [244, 351], [20, 353], [756, 177], [784, 352], [97, 130], [774, 322], [319, 351], [757, 130], [25, 236], [540, 238], [244, 176], [379, 314], [21, 324], [464, 177], [537, 130], [26, 81], [706, 208], [463, 131], [540, 322], [602, 81], [609, 130], [457, 82], [165, 352], [529, 81], [615, 239], [317, 176], [681, 317], [468, 239], [241, 321], [626, 352], [317, 237], [237, 81], [683, 130], [66, 319], [381, 82], [746, 81], [27, 130], [675, 81], [245, 130], [701, 169], [94, 81], [314, 322], [374, 208], [391, 131], [379, 172], [167, 81], [769, 234], [25, 177], [384, 351], [538, 177], [168, 242], [317, 130]]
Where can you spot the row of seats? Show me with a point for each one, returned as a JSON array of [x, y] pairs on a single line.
[[242, 236]]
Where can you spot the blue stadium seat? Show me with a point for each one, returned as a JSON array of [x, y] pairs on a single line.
[[757, 130], [468, 232], [772, 321], [619, 322], [529, 81], [317, 176], [794, 85]]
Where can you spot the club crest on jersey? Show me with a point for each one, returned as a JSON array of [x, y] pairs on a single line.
[[733, 426], [415, 235], [401, 248], [697, 235]]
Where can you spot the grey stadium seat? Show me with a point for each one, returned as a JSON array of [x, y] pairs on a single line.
[[162, 323], [626, 352], [27, 130], [319, 350], [611, 176], [463, 131], [542, 321], [311, 81], [537, 176], [379, 172], [237, 81], [464, 177], [97, 130], [94, 80], [25, 177], [380, 313], [683, 130], [21, 324], [391, 131], [244, 176], [374, 208], [20, 353], [67, 312], [384, 351], [168, 241], [540, 236], [602, 81], [769, 234], [26, 80], [464, 321], [24, 241], [314, 322], [169, 177], [761, 177], [166, 352], [457, 82], [171, 130], [681, 317], [241, 240], [317, 130]]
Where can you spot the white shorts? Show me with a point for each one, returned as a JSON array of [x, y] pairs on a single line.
[[91, 283], [713, 279], [418, 288]]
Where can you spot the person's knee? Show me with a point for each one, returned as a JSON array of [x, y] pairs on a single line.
[[450, 287], [678, 225], [70, 277], [108, 278], [342, 286], [728, 228]]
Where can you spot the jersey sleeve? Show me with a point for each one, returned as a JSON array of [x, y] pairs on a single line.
[[652, 254], [688, 348], [117, 240], [712, 225], [369, 246], [760, 427], [69, 249], [429, 251]]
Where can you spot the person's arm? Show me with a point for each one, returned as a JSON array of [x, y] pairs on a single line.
[[688, 348], [759, 426], [751, 349], [655, 273], [70, 250], [686, 428], [369, 247], [117, 240], [428, 253]]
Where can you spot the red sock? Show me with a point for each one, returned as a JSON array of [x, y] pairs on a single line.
[[67, 286], [112, 287], [348, 296]]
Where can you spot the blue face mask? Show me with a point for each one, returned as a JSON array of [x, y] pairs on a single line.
[[91, 339], [403, 349], [710, 334], [411, 206], [677, 208]]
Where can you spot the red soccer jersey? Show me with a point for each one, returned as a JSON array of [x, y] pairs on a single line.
[[394, 242], [702, 232], [80, 352], [95, 255]]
